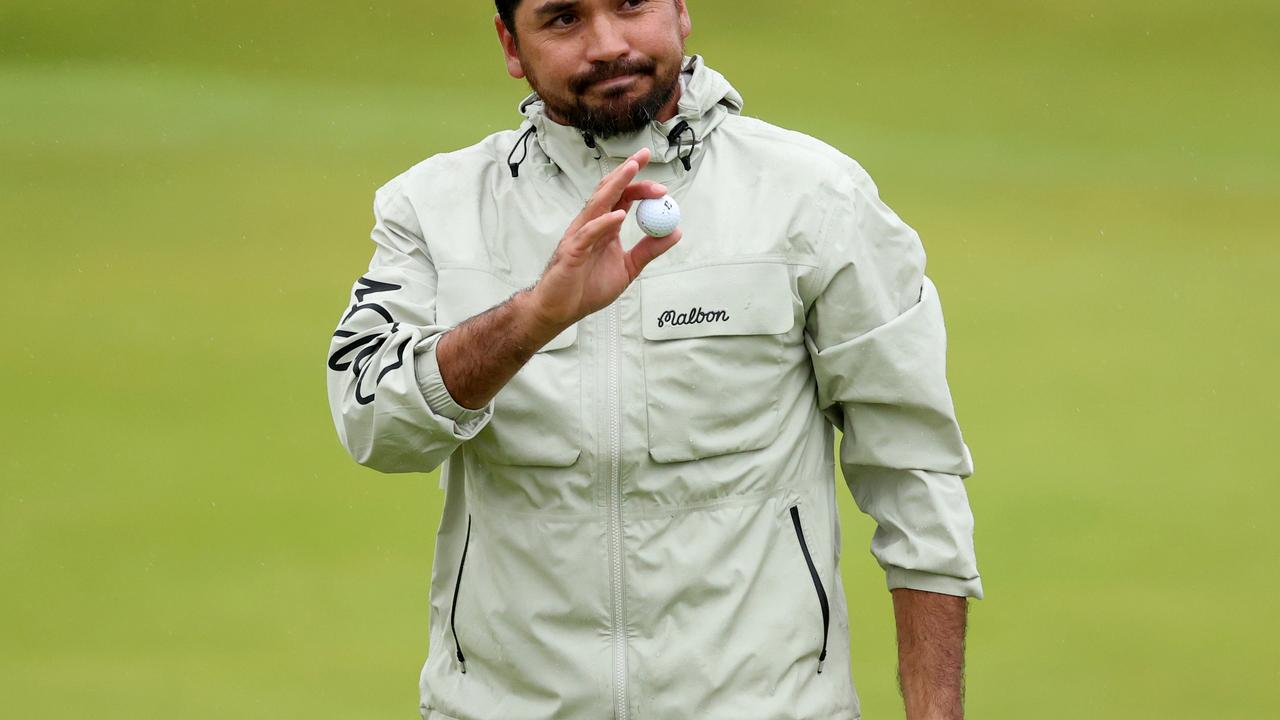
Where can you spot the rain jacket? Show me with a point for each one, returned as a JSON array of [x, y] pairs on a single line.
[[642, 523]]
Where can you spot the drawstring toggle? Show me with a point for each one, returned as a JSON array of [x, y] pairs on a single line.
[[676, 137], [523, 142]]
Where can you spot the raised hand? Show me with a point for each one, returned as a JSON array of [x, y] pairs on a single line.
[[589, 268]]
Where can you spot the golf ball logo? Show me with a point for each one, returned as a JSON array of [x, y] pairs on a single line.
[[658, 217]]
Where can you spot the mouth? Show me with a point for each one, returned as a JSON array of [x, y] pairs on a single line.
[[616, 82]]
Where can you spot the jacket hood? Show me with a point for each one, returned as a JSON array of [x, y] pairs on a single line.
[[706, 99]]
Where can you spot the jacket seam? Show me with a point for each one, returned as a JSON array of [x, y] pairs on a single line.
[[711, 504], [508, 279], [823, 250], [567, 517], [769, 258], [644, 514]]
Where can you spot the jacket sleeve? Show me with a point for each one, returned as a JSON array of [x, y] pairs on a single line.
[[875, 333], [389, 404]]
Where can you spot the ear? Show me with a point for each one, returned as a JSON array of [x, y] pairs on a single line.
[[509, 48], [686, 23]]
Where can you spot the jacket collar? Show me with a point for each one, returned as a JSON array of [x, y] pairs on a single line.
[[705, 100]]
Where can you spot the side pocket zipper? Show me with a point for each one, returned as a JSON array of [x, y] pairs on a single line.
[[817, 583], [457, 583]]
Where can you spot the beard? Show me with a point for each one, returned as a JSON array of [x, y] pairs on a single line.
[[615, 115]]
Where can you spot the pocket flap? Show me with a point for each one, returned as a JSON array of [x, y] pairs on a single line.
[[462, 293], [743, 298]]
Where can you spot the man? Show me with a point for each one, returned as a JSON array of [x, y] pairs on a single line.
[[636, 433]]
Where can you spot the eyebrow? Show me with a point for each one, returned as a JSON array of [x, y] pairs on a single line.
[[555, 7]]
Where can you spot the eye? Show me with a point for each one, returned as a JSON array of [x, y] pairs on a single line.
[[564, 20], [633, 4]]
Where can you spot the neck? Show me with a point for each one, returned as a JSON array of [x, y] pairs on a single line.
[[668, 111]]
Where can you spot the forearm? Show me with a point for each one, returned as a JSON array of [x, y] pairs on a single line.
[[931, 629], [479, 356]]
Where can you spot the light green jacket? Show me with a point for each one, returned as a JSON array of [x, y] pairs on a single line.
[[642, 524]]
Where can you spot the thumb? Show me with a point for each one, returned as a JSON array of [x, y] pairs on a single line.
[[650, 247]]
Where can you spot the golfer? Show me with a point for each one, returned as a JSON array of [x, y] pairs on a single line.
[[635, 434]]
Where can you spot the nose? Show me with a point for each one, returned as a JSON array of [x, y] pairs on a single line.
[[606, 41]]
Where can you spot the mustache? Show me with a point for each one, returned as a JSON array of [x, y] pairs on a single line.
[[608, 71]]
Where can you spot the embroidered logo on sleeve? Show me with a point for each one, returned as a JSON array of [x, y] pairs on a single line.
[[694, 316]]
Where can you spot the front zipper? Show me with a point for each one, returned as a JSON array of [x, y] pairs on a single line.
[[457, 583], [817, 582], [621, 710], [621, 707]]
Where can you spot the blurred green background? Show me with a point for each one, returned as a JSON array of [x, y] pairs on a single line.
[[185, 192]]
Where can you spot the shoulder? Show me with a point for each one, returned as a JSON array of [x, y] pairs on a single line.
[[844, 217], [802, 160], [446, 172]]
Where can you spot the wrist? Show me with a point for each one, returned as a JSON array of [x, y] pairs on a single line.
[[540, 329]]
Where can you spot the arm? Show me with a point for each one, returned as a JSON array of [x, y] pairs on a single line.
[[396, 378], [931, 653], [389, 404], [876, 336], [405, 392], [483, 353], [588, 270]]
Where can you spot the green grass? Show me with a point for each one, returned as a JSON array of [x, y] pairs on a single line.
[[187, 189]]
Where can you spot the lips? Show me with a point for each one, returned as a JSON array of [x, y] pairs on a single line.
[[613, 76], [617, 80]]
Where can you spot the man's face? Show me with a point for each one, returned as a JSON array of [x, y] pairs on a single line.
[[605, 66]]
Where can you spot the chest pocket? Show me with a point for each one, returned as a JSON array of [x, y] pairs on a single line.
[[713, 357], [537, 416]]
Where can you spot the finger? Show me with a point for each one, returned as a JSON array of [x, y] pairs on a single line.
[[606, 225], [605, 197], [611, 187], [649, 248], [609, 190], [642, 157], [645, 190]]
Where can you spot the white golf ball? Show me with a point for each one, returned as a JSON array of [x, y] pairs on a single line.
[[659, 217]]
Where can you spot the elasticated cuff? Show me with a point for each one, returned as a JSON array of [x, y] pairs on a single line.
[[437, 395], [896, 577]]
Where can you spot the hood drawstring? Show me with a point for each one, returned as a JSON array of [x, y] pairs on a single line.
[[676, 137], [590, 140], [523, 142]]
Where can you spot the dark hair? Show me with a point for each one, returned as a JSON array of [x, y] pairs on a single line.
[[507, 10]]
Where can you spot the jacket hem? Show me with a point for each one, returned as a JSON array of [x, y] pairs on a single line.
[[430, 713], [896, 577]]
